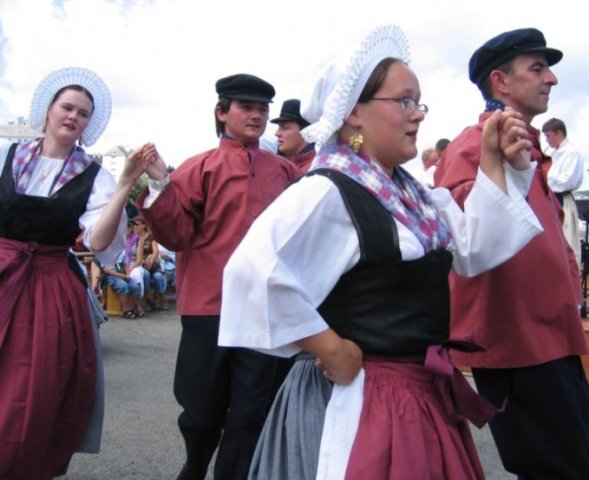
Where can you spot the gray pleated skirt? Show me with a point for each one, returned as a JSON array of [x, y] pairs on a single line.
[[288, 448]]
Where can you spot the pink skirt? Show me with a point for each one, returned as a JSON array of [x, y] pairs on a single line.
[[404, 432], [47, 361]]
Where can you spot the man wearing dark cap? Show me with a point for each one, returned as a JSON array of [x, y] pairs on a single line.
[[291, 143], [202, 211], [525, 313]]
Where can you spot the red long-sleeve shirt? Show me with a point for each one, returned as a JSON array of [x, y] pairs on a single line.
[[524, 312], [205, 211]]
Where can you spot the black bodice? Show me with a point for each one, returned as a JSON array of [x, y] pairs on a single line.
[[51, 221], [386, 305]]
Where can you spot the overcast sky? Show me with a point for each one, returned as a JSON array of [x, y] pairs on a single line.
[[161, 58]]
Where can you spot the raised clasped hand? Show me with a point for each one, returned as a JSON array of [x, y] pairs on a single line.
[[505, 136], [145, 159]]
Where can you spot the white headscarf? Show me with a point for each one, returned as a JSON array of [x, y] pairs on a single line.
[[337, 90]]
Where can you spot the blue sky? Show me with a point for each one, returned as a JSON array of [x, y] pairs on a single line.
[[161, 58]]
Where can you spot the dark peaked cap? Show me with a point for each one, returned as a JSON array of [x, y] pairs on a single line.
[[243, 86], [504, 47], [291, 112]]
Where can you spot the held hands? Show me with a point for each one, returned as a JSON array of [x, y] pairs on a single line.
[[145, 159], [505, 137]]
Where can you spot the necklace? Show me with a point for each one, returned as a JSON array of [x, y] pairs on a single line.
[[49, 169], [44, 173]]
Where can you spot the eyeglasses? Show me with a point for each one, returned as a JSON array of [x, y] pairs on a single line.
[[407, 103]]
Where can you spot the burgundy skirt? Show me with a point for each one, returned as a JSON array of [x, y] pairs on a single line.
[[47, 361], [405, 432]]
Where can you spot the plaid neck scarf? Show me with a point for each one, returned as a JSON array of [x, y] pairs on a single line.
[[26, 159], [403, 196]]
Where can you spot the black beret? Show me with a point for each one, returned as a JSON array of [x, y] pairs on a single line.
[[505, 46], [291, 112], [245, 87]]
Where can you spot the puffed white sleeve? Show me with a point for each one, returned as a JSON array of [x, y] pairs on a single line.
[[102, 191], [290, 259], [494, 225]]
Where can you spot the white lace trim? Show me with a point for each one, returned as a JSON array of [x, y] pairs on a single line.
[[337, 90]]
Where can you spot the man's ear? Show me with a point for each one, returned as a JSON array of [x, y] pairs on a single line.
[[498, 83], [219, 115]]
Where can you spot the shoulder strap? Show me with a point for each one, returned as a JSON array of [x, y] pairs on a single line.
[[9, 157], [377, 231]]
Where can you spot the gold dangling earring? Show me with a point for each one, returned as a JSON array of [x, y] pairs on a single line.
[[356, 142]]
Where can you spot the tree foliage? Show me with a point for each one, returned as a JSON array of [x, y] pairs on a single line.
[[136, 189]]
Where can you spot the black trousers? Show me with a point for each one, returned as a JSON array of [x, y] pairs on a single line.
[[225, 394], [544, 431]]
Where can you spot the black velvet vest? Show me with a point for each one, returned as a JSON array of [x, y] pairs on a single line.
[[386, 305], [50, 221]]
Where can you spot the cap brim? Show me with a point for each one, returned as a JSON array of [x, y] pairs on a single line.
[[553, 56], [249, 98], [285, 119]]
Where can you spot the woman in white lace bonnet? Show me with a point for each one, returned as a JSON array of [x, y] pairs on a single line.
[[50, 192], [350, 265]]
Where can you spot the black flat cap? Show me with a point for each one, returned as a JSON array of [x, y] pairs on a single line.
[[504, 47], [291, 112], [243, 86]]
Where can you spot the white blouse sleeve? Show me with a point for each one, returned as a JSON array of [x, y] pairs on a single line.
[[102, 191], [494, 226], [289, 261]]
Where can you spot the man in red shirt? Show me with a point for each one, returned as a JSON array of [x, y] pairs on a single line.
[[525, 312], [202, 211]]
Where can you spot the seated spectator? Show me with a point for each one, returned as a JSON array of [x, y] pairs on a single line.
[[127, 289], [168, 266], [152, 272], [132, 258]]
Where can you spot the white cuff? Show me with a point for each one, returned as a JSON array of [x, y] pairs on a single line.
[[156, 187]]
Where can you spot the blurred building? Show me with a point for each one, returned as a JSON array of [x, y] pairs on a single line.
[[18, 131], [114, 159]]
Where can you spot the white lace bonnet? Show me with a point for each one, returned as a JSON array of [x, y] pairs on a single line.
[[53, 82], [337, 90]]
